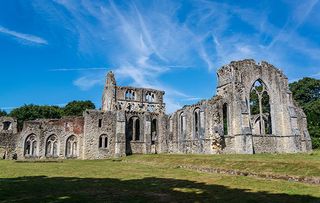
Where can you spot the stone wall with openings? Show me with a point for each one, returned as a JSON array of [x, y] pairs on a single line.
[[99, 134], [51, 138]]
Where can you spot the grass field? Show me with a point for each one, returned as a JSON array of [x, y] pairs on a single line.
[[160, 178]]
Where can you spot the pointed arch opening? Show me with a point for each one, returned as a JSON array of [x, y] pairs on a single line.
[[72, 147], [197, 123], [52, 146], [182, 124], [260, 109], [31, 146]]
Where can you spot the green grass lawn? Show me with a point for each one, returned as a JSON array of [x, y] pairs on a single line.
[[157, 178]]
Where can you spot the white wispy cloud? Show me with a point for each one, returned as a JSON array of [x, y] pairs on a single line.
[[145, 42], [87, 82], [23, 36]]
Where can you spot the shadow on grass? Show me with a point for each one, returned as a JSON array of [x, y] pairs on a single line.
[[62, 189]]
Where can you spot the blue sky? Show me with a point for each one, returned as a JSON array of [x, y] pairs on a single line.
[[52, 52]]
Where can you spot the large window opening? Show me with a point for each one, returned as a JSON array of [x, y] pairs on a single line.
[[260, 109], [182, 124], [133, 129], [30, 149], [197, 123], [72, 147], [52, 146]]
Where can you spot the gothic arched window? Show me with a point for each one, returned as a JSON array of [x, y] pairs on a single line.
[[197, 123], [30, 146], [52, 146], [182, 122], [260, 108], [72, 147]]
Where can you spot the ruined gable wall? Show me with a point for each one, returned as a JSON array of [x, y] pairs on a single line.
[[235, 83]]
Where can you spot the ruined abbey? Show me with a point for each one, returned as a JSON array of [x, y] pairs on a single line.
[[252, 112]]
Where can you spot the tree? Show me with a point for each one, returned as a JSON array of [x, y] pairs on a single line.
[[76, 108], [33, 112], [307, 93], [3, 113], [305, 90]]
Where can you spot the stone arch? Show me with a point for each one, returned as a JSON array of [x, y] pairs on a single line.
[[52, 148], [31, 146], [72, 147], [260, 108]]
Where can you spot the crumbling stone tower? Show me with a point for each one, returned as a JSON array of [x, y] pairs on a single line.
[[109, 93]]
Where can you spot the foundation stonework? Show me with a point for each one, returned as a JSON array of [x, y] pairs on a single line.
[[252, 112]]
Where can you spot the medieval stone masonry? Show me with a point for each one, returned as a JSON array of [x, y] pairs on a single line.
[[252, 112]]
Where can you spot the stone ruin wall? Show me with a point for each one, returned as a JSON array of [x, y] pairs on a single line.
[[235, 80], [99, 125], [44, 128], [139, 103], [239, 77], [207, 135]]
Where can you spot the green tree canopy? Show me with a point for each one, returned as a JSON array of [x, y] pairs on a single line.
[[307, 93], [33, 112], [305, 90], [76, 108]]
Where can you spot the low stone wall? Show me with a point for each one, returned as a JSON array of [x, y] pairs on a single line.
[[265, 144], [138, 147]]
